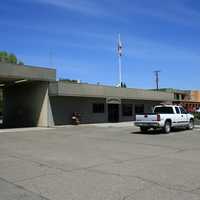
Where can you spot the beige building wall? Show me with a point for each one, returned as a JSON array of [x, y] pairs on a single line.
[[195, 95], [62, 108], [43, 97]]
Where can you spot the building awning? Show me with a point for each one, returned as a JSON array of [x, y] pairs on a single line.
[[17, 73]]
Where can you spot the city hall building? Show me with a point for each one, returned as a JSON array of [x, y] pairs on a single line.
[[33, 97]]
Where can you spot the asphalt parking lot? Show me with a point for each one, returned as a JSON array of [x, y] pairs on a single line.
[[99, 163]]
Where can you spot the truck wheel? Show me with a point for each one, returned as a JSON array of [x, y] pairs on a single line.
[[191, 124], [144, 129], [167, 127]]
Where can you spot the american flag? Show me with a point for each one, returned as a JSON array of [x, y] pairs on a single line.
[[119, 47]]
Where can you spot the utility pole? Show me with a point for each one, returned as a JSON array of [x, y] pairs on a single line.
[[157, 73]]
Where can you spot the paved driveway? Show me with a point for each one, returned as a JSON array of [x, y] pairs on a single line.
[[99, 163]]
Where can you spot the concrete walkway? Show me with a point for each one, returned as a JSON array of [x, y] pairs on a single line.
[[120, 124], [23, 129]]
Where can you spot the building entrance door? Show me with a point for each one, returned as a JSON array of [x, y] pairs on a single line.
[[113, 112]]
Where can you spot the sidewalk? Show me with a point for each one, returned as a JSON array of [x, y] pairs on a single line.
[[13, 130], [103, 125], [119, 124], [197, 126]]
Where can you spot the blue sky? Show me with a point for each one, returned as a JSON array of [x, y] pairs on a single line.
[[81, 36]]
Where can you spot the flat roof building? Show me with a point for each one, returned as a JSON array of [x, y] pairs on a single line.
[[98, 104], [33, 97]]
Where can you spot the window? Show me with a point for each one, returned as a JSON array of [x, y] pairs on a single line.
[[139, 109], [127, 109], [183, 110], [98, 108], [182, 97], [177, 97], [177, 110], [164, 110]]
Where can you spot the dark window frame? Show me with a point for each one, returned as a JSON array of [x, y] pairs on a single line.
[[139, 109], [127, 110], [177, 97], [98, 108], [164, 110]]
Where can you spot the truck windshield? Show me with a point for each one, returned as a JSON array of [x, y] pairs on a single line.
[[163, 110]]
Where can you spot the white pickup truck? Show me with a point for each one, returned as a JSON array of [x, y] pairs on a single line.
[[165, 117]]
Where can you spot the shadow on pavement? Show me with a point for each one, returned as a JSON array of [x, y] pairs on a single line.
[[148, 132], [158, 132]]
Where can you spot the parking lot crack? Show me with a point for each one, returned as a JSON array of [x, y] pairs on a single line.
[[34, 177], [161, 146], [24, 189], [156, 183]]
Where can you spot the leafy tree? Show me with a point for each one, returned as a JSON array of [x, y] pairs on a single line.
[[9, 58], [3, 56], [12, 59]]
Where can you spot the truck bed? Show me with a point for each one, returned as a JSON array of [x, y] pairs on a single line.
[[146, 117]]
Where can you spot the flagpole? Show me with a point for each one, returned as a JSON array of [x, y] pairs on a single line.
[[120, 60], [120, 70]]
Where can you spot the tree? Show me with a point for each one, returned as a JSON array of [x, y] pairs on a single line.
[[3, 56], [12, 59], [9, 58]]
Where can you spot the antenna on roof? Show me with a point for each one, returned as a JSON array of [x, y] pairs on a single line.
[[157, 73]]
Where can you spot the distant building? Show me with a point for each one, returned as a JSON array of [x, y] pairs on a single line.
[[187, 98]]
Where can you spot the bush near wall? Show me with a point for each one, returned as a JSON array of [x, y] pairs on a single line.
[[196, 118]]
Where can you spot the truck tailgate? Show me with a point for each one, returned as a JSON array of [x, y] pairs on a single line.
[[146, 118]]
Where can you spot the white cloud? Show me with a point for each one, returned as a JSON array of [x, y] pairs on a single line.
[[87, 7], [176, 11]]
